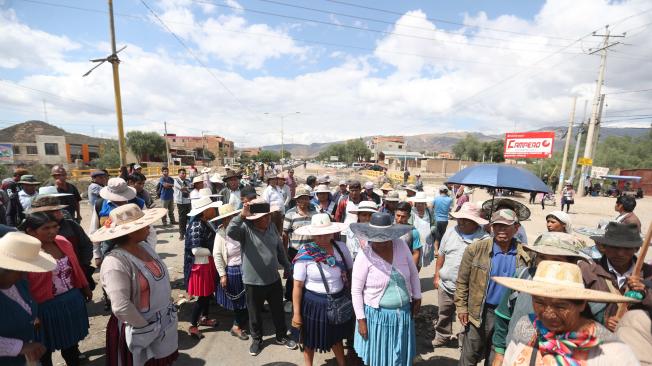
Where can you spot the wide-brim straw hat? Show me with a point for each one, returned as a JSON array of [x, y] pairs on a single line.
[[522, 212], [559, 280], [554, 243], [231, 174], [380, 229], [126, 219], [207, 192], [215, 178], [322, 188], [365, 206], [45, 204], [272, 208], [392, 196], [470, 211], [420, 197], [51, 191], [302, 191], [411, 187], [198, 179], [225, 211], [202, 204], [117, 190], [22, 252], [386, 187], [320, 224]]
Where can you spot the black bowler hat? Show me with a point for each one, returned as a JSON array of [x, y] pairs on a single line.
[[619, 235], [381, 228]]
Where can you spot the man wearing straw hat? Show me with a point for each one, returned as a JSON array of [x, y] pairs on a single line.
[[262, 252], [469, 228], [28, 190], [476, 294]]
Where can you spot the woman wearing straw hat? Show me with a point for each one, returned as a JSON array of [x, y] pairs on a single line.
[[142, 328], [61, 293], [197, 185], [20, 253], [230, 291], [198, 265], [364, 211], [324, 200], [561, 331], [321, 273], [426, 226], [386, 294]]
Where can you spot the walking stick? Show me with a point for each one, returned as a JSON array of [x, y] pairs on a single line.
[[622, 307]]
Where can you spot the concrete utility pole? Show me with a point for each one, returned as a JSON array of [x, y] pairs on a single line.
[[588, 147], [168, 158], [596, 137], [577, 144], [569, 136]]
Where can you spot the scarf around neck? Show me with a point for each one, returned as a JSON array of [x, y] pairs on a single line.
[[563, 346], [313, 252]]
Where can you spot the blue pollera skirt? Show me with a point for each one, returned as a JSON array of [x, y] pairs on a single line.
[[64, 320], [391, 340], [233, 296], [317, 333]]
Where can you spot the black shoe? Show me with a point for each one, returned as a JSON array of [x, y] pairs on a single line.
[[287, 342], [255, 347]]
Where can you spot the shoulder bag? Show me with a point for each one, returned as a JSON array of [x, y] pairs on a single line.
[[339, 310]]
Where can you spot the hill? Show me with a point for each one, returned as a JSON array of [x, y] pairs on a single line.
[[445, 141], [26, 132]]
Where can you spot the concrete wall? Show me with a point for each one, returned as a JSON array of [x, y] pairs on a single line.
[[60, 158], [445, 167]]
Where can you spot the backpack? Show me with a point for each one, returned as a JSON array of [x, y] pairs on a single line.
[[159, 188]]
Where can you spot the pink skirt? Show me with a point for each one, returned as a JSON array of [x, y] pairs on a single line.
[[202, 279]]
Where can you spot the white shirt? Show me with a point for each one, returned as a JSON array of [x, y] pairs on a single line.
[[308, 273], [621, 279], [26, 200], [274, 196], [194, 194], [351, 217]]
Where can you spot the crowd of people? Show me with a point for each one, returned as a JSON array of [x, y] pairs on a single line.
[[350, 257]]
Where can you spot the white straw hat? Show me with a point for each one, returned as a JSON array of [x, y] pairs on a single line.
[[419, 197], [51, 191], [216, 178], [126, 219], [207, 192], [202, 204], [198, 179], [226, 210], [272, 208], [22, 252], [117, 190], [559, 280], [322, 188], [320, 224], [365, 206]]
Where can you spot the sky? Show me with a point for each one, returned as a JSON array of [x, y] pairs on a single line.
[[323, 70]]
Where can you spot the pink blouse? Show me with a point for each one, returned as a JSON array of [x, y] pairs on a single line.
[[62, 277]]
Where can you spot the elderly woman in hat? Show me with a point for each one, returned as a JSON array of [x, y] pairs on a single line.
[[19, 322], [142, 329], [323, 200], [198, 265], [561, 331], [197, 185], [423, 220], [321, 273], [230, 291], [61, 293], [364, 211], [551, 246], [455, 240], [386, 294]]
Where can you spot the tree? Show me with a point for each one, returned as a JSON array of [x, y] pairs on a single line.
[[146, 144], [109, 156], [351, 151], [468, 148], [268, 156]]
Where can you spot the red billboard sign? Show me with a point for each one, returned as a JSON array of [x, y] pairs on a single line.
[[520, 145]]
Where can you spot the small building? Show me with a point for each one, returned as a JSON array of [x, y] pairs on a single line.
[[219, 146], [250, 151], [445, 155], [646, 179], [397, 159], [379, 144]]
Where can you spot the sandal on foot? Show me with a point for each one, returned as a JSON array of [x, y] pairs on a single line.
[[206, 322]]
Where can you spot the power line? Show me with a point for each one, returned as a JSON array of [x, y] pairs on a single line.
[[439, 20], [630, 91], [199, 61], [378, 31]]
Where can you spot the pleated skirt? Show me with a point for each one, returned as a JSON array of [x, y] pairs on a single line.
[[391, 338], [64, 320], [117, 352], [202, 279], [317, 333], [233, 296]]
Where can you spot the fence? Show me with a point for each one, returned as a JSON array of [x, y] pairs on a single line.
[[150, 171], [395, 176]]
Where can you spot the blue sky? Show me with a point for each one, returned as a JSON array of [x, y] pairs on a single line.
[[409, 69]]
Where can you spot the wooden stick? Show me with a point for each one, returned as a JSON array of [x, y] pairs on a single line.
[[640, 260]]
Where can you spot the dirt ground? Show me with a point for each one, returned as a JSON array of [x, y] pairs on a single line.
[[220, 348]]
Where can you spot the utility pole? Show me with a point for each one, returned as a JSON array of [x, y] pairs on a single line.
[[577, 144], [45, 111], [588, 147], [282, 142], [569, 136], [596, 137], [168, 158], [115, 61]]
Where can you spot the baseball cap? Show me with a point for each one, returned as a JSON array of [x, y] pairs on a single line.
[[504, 216]]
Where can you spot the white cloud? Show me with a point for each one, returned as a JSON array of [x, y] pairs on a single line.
[[387, 92]]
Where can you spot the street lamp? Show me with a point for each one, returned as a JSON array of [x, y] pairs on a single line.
[[282, 120]]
